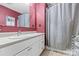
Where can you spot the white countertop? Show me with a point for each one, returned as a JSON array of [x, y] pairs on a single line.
[[12, 39]]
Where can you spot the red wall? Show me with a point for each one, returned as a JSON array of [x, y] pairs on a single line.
[[40, 17], [37, 18], [32, 16], [8, 12], [37, 11]]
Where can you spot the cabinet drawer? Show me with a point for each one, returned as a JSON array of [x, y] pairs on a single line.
[[29, 47], [31, 50], [25, 52], [15, 48]]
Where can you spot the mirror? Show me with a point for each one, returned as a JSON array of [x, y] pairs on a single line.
[[24, 20], [14, 16]]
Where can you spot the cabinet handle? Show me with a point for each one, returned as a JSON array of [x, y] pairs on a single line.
[[32, 25], [39, 25], [0, 29]]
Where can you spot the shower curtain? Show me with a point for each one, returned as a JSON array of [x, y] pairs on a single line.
[[59, 22]]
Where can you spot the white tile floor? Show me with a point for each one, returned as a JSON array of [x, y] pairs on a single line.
[[52, 53]]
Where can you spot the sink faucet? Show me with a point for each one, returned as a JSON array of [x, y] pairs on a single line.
[[18, 32]]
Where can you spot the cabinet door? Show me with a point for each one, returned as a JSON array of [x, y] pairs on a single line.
[[32, 15], [32, 50], [40, 17], [15, 48], [35, 49], [41, 44]]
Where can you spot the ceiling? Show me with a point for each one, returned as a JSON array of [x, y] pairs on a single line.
[[19, 7]]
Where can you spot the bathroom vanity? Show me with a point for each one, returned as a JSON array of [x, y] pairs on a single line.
[[31, 44]]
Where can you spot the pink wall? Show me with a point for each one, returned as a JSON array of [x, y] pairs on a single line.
[[37, 18], [37, 11], [32, 16], [40, 17]]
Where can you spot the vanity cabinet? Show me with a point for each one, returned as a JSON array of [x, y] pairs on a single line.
[[31, 50], [34, 49], [29, 47]]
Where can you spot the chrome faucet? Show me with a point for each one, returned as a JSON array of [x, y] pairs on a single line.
[[18, 32]]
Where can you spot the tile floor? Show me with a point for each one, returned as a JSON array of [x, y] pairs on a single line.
[[52, 53]]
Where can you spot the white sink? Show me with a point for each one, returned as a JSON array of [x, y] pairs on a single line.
[[22, 36], [15, 37]]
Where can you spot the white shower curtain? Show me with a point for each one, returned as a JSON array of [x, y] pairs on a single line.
[[59, 26]]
